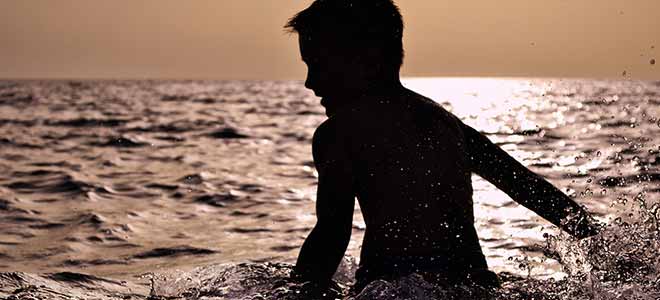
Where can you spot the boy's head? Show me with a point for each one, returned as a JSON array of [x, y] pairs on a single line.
[[349, 45]]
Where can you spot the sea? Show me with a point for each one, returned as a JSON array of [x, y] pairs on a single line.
[[206, 189]]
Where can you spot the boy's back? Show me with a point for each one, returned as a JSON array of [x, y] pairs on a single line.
[[409, 163], [411, 175]]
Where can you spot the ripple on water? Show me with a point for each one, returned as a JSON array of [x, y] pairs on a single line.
[[227, 133], [162, 186], [58, 164], [16, 99], [218, 200], [622, 181], [15, 122], [8, 206], [84, 122], [21, 225], [48, 182], [92, 262], [79, 278], [179, 126], [119, 142], [6, 142], [192, 179], [248, 230], [92, 219], [173, 252]]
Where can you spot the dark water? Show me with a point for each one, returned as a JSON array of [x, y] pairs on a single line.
[[189, 189]]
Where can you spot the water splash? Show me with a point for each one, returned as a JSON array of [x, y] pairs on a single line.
[[619, 263]]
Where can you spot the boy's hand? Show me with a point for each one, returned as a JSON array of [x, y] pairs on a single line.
[[581, 226]]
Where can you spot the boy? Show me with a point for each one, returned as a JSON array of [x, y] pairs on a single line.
[[406, 159]]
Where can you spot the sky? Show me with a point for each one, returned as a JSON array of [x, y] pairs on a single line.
[[244, 39]]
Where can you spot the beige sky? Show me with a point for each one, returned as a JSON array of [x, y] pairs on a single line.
[[243, 39]]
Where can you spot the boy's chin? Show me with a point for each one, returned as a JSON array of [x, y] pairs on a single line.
[[329, 108], [324, 101], [328, 101]]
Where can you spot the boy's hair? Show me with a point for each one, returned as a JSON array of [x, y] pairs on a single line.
[[360, 23]]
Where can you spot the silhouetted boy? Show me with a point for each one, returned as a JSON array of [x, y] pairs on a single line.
[[407, 159]]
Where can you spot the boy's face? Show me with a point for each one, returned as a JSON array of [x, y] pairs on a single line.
[[333, 73]]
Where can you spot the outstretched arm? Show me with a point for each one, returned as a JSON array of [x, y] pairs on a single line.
[[324, 248], [526, 187]]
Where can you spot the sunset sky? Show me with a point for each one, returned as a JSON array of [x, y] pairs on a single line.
[[244, 39]]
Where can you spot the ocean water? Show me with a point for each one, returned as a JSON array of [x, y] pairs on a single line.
[[206, 189]]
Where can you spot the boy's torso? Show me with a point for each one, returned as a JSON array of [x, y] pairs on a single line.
[[412, 174]]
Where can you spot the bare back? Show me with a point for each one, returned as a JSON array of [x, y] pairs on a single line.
[[412, 180], [409, 163]]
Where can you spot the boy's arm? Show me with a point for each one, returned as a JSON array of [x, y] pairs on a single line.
[[526, 187], [324, 248]]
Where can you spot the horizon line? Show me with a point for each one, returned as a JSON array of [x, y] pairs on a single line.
[[403, 78]]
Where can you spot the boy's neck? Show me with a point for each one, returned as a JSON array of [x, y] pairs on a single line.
[[378, 88], [383, 87]]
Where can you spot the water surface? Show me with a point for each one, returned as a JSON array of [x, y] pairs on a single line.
[[122, 179]]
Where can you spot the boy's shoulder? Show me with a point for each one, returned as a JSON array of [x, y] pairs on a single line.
[[327, 127], [408, 105], [395, 103], [378, 112]]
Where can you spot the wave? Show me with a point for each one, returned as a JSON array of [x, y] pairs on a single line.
[[48, 182], [619, 263]]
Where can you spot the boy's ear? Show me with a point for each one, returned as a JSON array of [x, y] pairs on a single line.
[[372, 57]]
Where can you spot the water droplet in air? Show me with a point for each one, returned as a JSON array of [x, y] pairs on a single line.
[[652, 62]]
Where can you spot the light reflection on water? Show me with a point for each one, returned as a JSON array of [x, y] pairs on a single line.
[[124, 178]]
